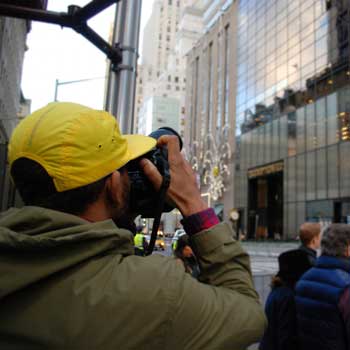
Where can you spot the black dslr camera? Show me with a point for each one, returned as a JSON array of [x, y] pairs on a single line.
[[144, 199]]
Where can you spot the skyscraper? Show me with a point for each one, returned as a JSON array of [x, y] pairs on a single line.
[[169, 33], [292, 114]]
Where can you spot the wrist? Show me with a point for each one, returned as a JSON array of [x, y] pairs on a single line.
[[192, 207]]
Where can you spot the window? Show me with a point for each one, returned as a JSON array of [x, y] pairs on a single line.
[[210, 89], [321, 173], [333, 171], [227, 75]]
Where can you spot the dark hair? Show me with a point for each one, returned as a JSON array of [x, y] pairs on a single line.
[[36, 187], [292, 265]]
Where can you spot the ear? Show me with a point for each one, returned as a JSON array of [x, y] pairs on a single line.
[[113, 185], [347, 253]]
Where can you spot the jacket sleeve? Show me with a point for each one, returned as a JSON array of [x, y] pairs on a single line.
[[222, 311], [286, 323], [344, 308]]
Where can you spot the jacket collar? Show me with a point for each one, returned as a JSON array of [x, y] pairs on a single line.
[[332, 262]]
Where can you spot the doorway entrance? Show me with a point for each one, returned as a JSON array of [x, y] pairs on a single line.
[[265, 206]]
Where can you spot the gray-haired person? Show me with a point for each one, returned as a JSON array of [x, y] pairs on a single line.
[[323, 295]]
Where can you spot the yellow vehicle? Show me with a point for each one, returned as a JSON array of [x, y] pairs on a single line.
[[160, 244]]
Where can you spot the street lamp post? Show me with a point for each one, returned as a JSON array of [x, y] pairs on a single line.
[[59, 83]]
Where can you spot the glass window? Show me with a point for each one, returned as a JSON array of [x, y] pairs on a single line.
[[254, 148], [283, 137], [319, 211], [300, 214], [310, 176], [301, 130], [243, 155], [321, 173], [261, 144], [249, 148], [321, 122], [291, 180], [300, 172], [210, 88], [344, 151], [344, 113], [275, 140], [226, 75], [310, 127], [333, 171], [292, 220], [332, 119], [268, 143], [292, 134], [285, 220], [219, 83]]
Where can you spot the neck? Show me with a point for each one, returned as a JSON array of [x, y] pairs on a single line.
[[95, 212]]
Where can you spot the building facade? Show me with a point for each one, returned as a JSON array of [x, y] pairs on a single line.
[[211, 104], [158, 112], [13, 33], [291, 116], [169, 34]]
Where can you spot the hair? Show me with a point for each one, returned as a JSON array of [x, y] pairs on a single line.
[[36, 187], [308, 231], [292, 265], [335, 240]]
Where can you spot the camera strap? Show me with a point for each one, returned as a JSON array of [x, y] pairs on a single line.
[[160, 205]]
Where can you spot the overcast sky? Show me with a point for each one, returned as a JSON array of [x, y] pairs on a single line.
[[55, 53]]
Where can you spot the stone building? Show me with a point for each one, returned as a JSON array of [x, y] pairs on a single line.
[[13, 33]]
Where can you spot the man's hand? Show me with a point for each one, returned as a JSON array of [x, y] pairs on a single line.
[[183, 189]]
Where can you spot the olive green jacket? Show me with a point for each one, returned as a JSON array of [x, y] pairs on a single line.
[[66, 283]]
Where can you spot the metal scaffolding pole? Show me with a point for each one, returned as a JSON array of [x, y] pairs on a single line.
[[122, 81]]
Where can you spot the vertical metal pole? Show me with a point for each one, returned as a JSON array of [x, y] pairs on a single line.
[[114, 76], [56, 90], [121, 87]]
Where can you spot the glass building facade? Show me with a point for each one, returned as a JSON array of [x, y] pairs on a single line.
[[292, 115]]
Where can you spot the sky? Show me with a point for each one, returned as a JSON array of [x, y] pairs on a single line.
[[56, 53]]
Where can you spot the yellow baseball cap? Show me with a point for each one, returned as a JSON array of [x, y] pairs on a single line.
[[75, 144]]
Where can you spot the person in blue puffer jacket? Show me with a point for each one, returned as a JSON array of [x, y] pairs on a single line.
[[323, 295]]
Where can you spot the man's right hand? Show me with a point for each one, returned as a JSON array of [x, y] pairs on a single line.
[[183, 189]]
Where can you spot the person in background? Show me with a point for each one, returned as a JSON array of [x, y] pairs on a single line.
[[323, 295], [281, 333], [140, 242], [69, 278], [310, 236], [184, 253]]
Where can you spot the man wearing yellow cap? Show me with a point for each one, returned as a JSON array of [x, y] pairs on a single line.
[[69, 278]]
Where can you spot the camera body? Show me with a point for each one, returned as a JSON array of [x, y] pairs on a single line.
[[143, 197]]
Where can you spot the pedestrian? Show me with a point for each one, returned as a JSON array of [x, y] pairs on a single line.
[[281, 332], [323, 294], [69, 275], [310, 236], [184, 253], [140, 242]]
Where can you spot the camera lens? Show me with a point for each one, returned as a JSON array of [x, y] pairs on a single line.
[[165, 130]]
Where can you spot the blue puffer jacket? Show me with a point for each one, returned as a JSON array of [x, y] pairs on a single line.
[[321, 316]]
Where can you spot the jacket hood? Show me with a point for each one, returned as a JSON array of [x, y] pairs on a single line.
[[36, 243]]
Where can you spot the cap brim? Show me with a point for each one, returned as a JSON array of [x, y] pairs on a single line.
[[139, 145]]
